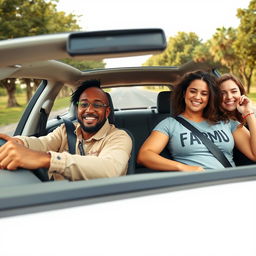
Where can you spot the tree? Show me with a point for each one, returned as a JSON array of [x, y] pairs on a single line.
[[81, 65], [85, 65], [222, 50], [19, 18], [202, 53], [245, 45], [10, 86], [179, 50]]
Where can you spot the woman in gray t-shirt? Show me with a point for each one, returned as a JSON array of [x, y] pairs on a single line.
[[196, 99]]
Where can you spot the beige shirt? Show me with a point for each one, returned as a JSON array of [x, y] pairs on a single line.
[[106, 153]]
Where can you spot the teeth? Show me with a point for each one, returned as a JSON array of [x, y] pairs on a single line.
[[89, 118]]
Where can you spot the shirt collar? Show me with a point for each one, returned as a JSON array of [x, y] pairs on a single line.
[[98, 135]]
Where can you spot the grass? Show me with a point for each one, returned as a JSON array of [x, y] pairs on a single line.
[[61, 103], [12, 115]]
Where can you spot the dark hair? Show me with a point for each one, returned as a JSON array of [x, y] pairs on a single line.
[[227, 77], [210, 113], [84, 85], [235, 115]]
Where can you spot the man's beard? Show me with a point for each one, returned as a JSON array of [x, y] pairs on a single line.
[[92, 129]]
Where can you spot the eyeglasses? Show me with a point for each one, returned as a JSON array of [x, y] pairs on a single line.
[[96, 105]]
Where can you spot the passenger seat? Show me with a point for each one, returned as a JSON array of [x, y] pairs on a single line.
[[111, 119], [140, 123]]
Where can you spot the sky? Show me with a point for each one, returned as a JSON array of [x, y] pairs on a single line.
[[199, 16]]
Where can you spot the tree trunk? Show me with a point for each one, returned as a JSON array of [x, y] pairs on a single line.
[[64, 92], [37, 82], [244, 76], [247, 76], [29, 88], [10, 86]]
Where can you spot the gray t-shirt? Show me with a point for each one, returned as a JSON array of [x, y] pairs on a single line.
[[188, 149]]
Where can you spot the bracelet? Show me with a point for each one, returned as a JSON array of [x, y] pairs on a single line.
[[252, 113]]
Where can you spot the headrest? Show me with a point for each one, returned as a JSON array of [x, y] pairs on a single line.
[[111, 117], [164, 102]]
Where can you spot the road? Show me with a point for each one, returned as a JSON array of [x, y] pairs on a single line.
[[121, 97], [134, 97]]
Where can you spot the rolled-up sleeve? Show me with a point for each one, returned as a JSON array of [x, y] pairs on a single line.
[[54, 141], [107, 154], [107, 158]]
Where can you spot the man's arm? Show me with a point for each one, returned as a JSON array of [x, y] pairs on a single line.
[[111, 161], [31, 152], [14, 155]]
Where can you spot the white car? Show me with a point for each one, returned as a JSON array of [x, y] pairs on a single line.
[[146, 212]]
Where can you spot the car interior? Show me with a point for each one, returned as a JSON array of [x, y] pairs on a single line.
[[30, 191], [139, 123]]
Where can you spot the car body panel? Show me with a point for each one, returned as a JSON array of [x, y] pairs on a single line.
[[162, 213], [209, 220]]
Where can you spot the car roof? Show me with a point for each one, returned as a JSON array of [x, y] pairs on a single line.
[[37, 57]]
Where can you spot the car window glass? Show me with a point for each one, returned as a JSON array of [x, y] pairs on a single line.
[[62, 103], [136, 96]]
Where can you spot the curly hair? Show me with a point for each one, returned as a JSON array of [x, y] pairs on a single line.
[[84, 85], [234, 115], [211, 111]]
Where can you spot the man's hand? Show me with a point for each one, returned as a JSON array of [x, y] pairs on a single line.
[[14, 155], [8, 138]]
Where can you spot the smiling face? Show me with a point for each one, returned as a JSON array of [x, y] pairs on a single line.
[[92, 117], [197, 96], [230, 95]]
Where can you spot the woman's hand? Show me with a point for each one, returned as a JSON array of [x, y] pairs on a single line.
[[191, 168], [244, 105]]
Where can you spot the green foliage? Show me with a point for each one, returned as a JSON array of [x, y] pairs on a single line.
[[245, 44], [20, 18], [84, 65], [61, 103], [246, 41], [221, 48], [229, 50], [179, 50], [2, 92], [12, 115]]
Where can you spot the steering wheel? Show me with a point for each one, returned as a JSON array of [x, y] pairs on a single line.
[[2, 141], [40, 173]]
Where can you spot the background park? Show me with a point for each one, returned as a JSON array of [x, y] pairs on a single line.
[[229, 49]]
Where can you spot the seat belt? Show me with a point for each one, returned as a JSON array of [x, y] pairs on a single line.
[[217, 153], [42, 173], [42, 122], [70, 129]]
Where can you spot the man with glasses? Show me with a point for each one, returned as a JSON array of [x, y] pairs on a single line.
[[102, 150]]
